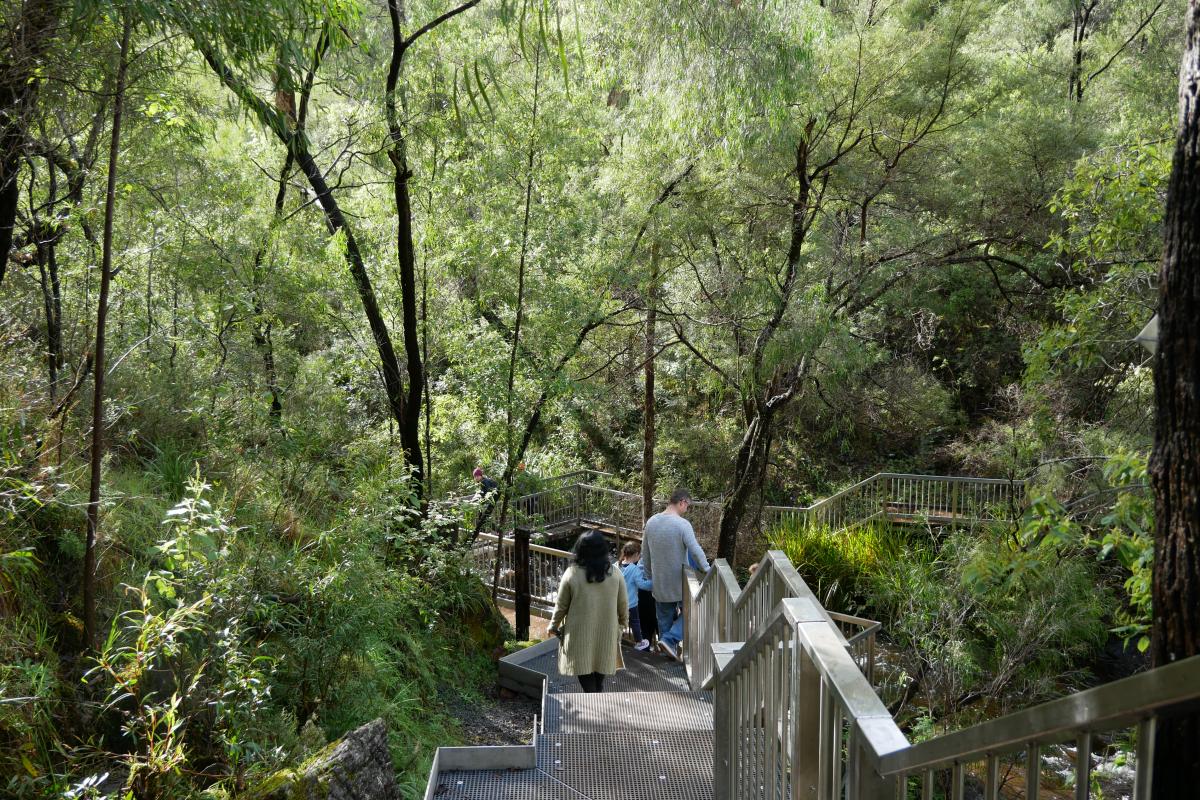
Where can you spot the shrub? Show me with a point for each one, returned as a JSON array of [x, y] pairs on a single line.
[[981, 626], [839, 565]]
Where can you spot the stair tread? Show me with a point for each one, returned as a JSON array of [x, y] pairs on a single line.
[[628, 711], [635, 765], [647, 672], [503, 784]]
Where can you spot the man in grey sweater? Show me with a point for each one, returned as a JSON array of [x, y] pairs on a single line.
[[668, 545]]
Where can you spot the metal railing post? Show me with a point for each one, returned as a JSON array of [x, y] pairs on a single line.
[[806, 759], [723, 788], [521, 581]]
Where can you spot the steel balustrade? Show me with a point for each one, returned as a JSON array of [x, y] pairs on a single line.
[[1135, 702], [795, 711], [717, 611], [796, 715], [938, 499]]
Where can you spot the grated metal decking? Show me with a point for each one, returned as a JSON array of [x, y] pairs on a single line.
[[618, 712], [644, 672], [646, 737]]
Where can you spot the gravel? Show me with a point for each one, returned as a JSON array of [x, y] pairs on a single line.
[[494, 719]]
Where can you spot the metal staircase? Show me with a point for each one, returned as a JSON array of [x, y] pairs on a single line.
[[649, 737], [775, 700]]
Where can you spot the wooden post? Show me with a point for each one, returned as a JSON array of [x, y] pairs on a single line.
[[521, 568]]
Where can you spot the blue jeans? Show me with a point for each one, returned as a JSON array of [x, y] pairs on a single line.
[[670, 627], [635, 624]]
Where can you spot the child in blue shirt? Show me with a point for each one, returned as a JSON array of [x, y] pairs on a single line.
[[635, 579]]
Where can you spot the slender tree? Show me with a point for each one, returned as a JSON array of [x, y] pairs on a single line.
[[283, 126], [649, 435], [409, 421], [1175, 463], [106, 271]]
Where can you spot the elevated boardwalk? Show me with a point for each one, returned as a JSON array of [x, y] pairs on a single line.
[[776, 700], [569, 503], [646, 736]]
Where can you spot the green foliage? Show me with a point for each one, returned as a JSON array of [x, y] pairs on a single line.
[[981, 626], [170, 469], [1128, 536], [978, 252], [842, 566]]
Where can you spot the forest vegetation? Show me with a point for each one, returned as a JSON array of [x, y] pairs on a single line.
[[275, 276]]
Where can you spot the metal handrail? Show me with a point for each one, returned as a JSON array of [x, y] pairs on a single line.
[[774, 580], [707, 610], [796, 717], [1113, 706], [931, 497], [569, 476], [783, 705]]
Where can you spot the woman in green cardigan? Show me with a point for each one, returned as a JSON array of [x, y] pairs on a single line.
[[591, 612]]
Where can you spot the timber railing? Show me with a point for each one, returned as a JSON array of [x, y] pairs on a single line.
[[796, 715]]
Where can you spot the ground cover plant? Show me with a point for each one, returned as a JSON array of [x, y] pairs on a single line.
[[276, 277]]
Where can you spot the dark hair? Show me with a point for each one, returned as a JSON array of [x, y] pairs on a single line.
[[678, 496], [591, 553], [630, 549]]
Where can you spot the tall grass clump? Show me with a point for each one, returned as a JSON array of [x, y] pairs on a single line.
[[839, 565]]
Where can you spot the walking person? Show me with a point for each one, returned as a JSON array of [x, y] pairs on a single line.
[[486, 492], [591, 611], [635, 583], [668, 543]]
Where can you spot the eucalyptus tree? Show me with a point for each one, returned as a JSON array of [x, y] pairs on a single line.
[[28, 30], [1175, 464], [281, 120], [409, 422], [809, 117]]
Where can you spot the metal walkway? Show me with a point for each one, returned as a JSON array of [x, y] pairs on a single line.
[[646, 737]]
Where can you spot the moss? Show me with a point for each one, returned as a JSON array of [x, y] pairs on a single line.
[[279, 784], [290, 783]]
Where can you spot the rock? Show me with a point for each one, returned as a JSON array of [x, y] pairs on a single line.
[[356, 767]]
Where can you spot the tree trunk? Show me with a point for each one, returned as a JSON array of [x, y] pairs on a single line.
[[1081, 18], [772, 392], [748, 469], [648, 431], [1175, 464], [335, 221], [260, 329], [409, 423], [97, 452], [535, 418], [425, 375], [33, 29], [522, 259], [261, 333], [52, 303]]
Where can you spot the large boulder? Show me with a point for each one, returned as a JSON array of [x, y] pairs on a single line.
[[356, 767]]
